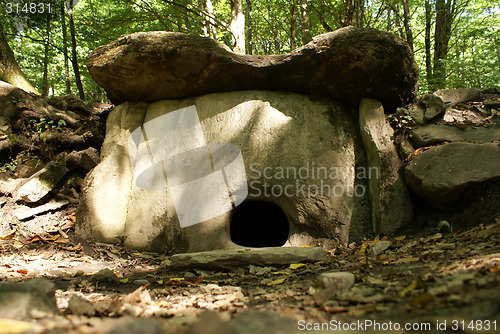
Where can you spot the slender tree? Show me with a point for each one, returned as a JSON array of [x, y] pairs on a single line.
[[67, 80], [46, 60], [305, 22], [237, 25], [74, 57], [249, 23]]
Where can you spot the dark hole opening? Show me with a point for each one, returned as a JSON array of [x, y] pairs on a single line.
[[259, 224]]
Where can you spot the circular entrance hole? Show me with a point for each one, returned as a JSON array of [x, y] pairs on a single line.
[[259, 224]]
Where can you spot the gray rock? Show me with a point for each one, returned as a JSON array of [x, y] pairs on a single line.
[[433, 106], [251, 322], [80, 306], [391, 204], [307, 134], [141, 282], [27, 300], [43, 181], [227, 259], [435, 134], [347, 65], [459, 95], [127, 325], [426, 108], [337, 281], [379, 247], [104, 275], [88, 158], [441, 174]]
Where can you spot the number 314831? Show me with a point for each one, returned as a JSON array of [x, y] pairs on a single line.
[[32, 8]]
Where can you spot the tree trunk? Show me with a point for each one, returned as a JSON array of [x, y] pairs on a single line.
[[74, 57], [208, 24], [293, 24], [249, 45], [45, 82], [65, 51], [406, 22], [237, 25], [9, 69], [442, 36], [305, 22], [427, 39]]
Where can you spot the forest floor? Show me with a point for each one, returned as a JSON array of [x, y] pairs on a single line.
[[451, 281]]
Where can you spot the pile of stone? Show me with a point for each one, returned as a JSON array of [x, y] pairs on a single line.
[[47, 145]]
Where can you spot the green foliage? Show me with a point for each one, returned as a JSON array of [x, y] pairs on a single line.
[[9, 166], [43, 125]]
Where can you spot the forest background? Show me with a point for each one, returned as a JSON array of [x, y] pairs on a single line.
[[456, 43]]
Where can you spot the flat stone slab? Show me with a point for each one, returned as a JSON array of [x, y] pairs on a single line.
[[348, 64], [458, 95], [441, 174], [436, 134], [391, 204], [23, 212], [227, 259]]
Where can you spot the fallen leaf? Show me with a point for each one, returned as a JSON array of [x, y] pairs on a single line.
[[416, 284], [294, 266], [18, 245], [400, 238], [276, 282]]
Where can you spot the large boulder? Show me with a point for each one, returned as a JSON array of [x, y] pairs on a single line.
[[299, 153], [443, 173], [347, 65]]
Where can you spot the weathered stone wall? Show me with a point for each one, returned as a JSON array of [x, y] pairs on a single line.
[[276, 132]]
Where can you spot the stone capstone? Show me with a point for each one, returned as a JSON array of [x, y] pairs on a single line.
[[391, 203], [441, 174], [346, 65], [299, 153]]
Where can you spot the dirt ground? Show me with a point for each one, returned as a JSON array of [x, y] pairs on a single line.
[[446, 279]]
